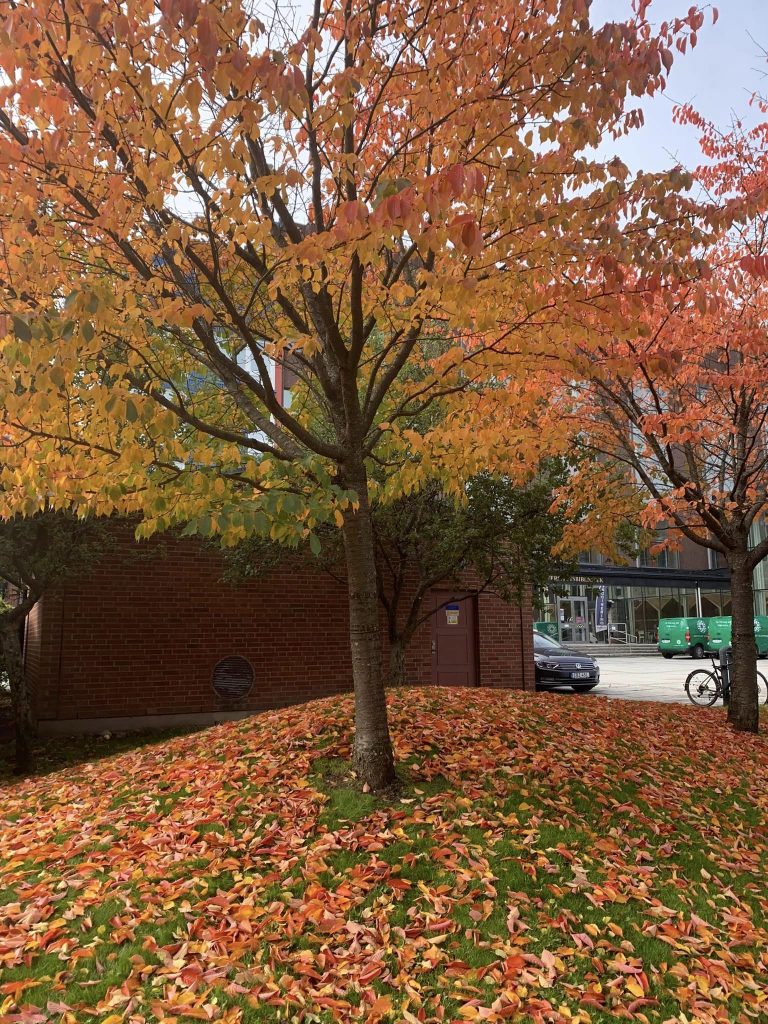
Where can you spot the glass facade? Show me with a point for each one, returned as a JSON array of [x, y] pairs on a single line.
[[639, 595], [635, 608]]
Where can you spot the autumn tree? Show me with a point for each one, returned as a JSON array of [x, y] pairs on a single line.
[[197, 195], [680, 396], [36, 553]]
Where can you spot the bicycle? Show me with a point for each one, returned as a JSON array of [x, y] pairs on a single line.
[[704, 687]]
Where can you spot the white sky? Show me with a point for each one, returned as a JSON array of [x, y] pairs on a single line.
[[718, 76]]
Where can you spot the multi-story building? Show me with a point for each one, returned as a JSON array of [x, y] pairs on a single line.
[[689, 582]]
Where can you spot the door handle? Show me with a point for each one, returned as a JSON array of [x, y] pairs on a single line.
[[434, 647]]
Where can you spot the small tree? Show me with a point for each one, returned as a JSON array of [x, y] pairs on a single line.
[[35, 554], [503, 536]]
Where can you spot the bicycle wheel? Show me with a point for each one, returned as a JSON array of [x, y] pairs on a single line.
[[762, 689], [702, 688]]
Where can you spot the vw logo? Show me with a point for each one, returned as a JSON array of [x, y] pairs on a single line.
[[578, 664]]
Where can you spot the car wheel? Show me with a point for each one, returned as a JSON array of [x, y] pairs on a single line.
[[669, 657], [697, 652], [584, 689]]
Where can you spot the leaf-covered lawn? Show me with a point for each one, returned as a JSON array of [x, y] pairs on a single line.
[[550, 859]]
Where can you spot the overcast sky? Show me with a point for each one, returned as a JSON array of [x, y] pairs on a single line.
[[719, 76]]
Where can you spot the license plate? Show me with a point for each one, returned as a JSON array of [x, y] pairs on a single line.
[[579, 675]]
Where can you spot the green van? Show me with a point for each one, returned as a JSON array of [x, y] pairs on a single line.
[[720, 633], [761, 635], [683, 636], [548, 629]]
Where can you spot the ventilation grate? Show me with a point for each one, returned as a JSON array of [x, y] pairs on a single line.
[[233, 678]]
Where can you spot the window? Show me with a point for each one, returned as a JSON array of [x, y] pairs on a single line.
[[543, 645], [593, 558], [664, 559], [714, 559]]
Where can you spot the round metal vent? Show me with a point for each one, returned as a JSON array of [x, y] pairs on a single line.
[[233, 678]]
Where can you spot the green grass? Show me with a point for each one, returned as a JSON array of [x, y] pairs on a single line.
[[543, 859], [52, 754]]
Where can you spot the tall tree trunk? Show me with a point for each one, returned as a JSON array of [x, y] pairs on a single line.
[[22, 706], [397, 648], [743, 709], [373, 757]]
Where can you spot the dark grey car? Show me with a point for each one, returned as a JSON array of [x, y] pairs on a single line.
[[558, 666]]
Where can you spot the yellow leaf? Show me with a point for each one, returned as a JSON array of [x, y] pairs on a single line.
[[635, 987], [468, 1012]]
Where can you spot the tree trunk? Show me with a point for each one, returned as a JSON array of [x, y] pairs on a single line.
[[397, 673], [373, 756], [743, 711], [22, 707]]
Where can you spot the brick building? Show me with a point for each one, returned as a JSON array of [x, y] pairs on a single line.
[[154, 637]]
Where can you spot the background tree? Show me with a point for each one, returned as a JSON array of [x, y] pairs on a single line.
[[680, 396], [501, 537], [684, 406], [198, 193], [36, 553]]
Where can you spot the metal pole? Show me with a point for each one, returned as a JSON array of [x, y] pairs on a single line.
[[698, 602]]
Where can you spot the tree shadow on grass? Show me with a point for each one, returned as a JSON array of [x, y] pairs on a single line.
[[53, 753]]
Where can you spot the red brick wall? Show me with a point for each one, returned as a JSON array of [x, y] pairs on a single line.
[[42, 650], [142, 634], [505, 643]]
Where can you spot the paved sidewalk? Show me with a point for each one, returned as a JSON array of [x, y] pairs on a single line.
[[646, 678]]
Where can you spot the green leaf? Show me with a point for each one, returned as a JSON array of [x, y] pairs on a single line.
[[21, 329], [314, 544], [131, 412], [87, 330]]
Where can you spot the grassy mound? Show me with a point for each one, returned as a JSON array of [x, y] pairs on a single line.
[[549, 859]]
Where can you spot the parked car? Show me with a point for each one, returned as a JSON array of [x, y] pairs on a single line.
[[683, 636], [558, 666]]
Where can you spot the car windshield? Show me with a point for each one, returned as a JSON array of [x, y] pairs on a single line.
[[543, 643]]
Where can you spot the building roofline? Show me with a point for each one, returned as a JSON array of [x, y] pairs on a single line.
[[716, 579]]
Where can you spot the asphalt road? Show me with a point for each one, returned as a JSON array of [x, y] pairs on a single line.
[[647, 678]]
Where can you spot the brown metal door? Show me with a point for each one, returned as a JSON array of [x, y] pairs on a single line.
[[454, 644]]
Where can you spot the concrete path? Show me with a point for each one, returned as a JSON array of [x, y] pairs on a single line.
[[646, 678]]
